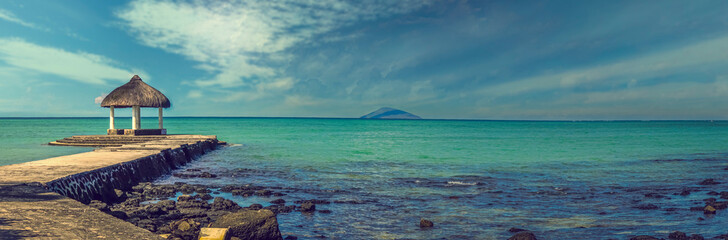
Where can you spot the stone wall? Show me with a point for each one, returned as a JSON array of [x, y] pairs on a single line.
[[99, 184]]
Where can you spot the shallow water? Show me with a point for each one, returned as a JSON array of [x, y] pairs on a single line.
[[474, 179]]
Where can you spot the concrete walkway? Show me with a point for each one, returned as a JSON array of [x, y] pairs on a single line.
[[28, 210]]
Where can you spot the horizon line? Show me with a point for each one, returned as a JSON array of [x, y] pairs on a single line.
[[426, 119]]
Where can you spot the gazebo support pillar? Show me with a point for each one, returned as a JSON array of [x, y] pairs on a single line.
[[161, 119], [111, 118], [135, 118]]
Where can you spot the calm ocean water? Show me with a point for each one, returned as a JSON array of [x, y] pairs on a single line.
[[473, 179]]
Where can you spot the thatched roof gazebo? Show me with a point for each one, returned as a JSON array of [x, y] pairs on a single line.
[[135, 94]]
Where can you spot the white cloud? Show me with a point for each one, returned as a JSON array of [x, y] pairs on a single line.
[[9, 16], [706, 53], [242, 41], [80, 66], [194, 94], [100, 99]]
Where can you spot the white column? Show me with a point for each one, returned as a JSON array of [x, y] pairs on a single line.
[[111, 117], [161, 126], [135, 118]]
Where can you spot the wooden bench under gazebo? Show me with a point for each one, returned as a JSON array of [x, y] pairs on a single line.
[[135, 94]]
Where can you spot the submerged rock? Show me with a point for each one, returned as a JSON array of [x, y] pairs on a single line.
[[255, 206], [709, 181], [250, 224], [677, 235], [308, 206], [524, 235], [424, 223], [648, 206], [279, 201], [644, 237], [515, 230]]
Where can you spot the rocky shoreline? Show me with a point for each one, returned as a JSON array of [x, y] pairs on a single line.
[[179, 210], [150, 206]]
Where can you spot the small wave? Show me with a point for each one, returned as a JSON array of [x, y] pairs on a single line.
[[452, 183], [235, 145]]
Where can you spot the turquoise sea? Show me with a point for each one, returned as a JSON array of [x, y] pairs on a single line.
[[473, 179]]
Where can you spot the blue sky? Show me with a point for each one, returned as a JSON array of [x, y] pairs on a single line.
[[535, 60]]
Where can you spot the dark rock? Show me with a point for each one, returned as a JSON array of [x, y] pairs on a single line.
[[525, 235], [308, 206], [279, 201], [701, 218], [289, 237], [697, 208], [184, 198], [684, 193], [193, 212], [227, 188], [184, 229], [250, 224], [193, 204], [648, 206], [167, 205], [722, 236], [201, 190], [224, 204], [710, 200], [724, 195], [187, 189], [120, 195], [141, 187], [713, 193], [424, 223], [155, 210], [207, 175], [316, 201], [204, 196], [515, 230], [677, 235], [263, 193], [709, 181], [255, 206], [119, 214], [324, 211], [355, 201], [696, 237], [644, 237], [99, 205], [654, 195], [709, 210], [719, 205]]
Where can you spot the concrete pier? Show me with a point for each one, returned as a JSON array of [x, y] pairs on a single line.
[[43, 199]]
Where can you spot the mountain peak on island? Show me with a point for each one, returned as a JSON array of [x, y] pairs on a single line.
[[390, 113]]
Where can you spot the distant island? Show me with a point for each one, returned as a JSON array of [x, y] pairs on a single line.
[[390, 113]]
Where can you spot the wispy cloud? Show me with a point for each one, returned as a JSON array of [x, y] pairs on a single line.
[[243, 43], [79, 66], [9, 16], [659, 64]]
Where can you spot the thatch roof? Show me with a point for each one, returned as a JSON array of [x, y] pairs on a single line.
[[133, 93]]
